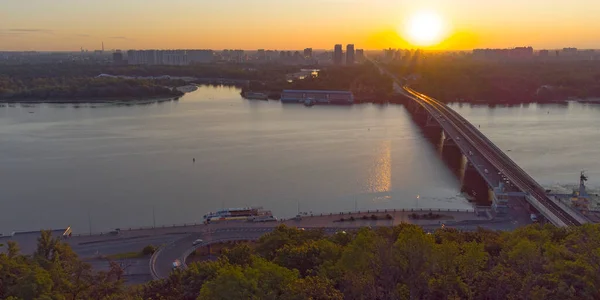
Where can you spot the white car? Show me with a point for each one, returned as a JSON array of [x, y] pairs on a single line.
[[198, 241]]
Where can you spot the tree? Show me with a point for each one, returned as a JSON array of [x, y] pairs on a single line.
[[414, 255], [312, 288], [13, 249]]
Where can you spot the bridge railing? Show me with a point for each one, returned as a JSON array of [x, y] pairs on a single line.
[[152, 263], [529, 184]]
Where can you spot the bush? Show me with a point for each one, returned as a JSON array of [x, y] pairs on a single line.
[[374, 217], [351, 218], [149, 250], [389, 217], [365, 217], [342, 220]]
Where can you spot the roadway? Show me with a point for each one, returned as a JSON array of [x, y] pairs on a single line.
[[516, 175], [176, 241], [462, 131], [162, 263]]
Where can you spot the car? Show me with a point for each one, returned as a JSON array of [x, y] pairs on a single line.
[[470, 152], [176, 264], [533, 218], [197, 242]]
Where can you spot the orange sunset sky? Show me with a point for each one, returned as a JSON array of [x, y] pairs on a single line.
[[293, 24]]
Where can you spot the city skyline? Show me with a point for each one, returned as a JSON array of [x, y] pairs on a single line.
[[184, 24]]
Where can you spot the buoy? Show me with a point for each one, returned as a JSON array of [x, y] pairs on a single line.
[[194, 159]]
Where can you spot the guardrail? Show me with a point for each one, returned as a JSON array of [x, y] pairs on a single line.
[[305, 215], [380, 211], [153, 258]]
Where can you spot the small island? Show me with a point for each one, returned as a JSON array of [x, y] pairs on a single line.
[[71, 82], [85, 89]]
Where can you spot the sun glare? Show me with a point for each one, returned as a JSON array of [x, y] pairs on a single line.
[[424, 29]]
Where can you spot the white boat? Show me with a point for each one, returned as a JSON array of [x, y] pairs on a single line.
[[309, 102], [243, 213]]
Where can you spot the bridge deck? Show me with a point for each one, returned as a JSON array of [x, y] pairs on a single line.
[[476, 147]]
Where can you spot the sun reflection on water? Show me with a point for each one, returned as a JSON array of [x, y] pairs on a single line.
[[380, 175]]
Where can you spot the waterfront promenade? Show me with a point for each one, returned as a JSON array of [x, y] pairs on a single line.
[[176, 240]]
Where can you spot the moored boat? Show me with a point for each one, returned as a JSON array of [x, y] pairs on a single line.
[[244, 214]]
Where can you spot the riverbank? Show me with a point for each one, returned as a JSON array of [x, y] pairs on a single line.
[[108, 100], [187, 88], [120, 100]]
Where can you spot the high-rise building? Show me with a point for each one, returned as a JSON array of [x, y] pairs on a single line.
[[308, 53], [200, 56], [389, 54], [338, 54], [117, 57], [261, 55], [350, 54], [360, 55]]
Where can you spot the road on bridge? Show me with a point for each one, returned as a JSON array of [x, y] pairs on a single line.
[[465, 131]]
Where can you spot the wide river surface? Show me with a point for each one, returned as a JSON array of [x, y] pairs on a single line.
[[102, 167]]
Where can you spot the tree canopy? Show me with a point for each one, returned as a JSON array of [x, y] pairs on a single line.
[[460, 79], [403, 262]]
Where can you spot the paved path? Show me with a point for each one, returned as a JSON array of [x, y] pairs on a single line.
[[177, 240]]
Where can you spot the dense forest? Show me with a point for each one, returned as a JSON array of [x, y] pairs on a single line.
[[363, 80], [75, 82], [402, 262], [84, 88], [469, 80], [230, 71]]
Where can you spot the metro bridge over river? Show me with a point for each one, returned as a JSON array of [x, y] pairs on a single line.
[[500, 172]]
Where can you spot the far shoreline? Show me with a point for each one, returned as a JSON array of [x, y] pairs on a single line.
[[119, 100]]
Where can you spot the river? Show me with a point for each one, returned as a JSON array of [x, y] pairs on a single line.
[[99, 167]]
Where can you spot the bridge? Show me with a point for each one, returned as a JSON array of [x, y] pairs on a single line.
[[494, 166]]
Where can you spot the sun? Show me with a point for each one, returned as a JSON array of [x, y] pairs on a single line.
[[425, 28]]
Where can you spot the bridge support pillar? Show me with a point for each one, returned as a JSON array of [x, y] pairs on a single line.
[[452, 156], [435, 136], [476, 186]]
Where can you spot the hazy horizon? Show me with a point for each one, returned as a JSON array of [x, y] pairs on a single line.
[[270, 24]]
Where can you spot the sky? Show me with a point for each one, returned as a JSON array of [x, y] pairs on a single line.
[[68, 25]]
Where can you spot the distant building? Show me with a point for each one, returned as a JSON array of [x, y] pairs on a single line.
[[174, 57], [518, 53], [350, 54], [200, 56], [308, 53], [261, 55], [389, 53], [544, 53], [338, 54], [144, 57], [318, 97], [360, 54], [569, 51], [117, 57]]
